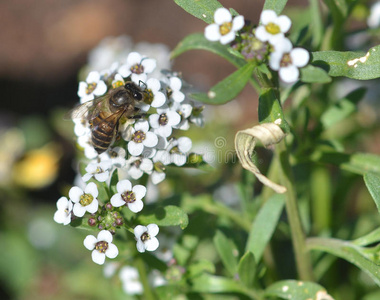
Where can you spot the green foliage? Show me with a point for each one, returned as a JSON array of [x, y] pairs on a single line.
[[169, 215], [372, 180], [201, 9], [297, 290]]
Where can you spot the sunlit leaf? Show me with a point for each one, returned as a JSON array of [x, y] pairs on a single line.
[[169, 215], [356, 65], [372, 182], [227, 252], [201, 9], [276, 5], [247, 269], [312, 74], [215, 284]]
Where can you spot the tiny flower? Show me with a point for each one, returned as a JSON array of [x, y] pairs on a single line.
[[373, 20], [129, 277], [179, 149], [92, 87], [115, 155], [154, 97], [84, 200], [174, 91], [81, 127], [63, 213], [101, 246], [141, 138], [272, 26], [137, 66], [139, 166], [164, 121], [287, 61], [129, 196], [146, 237], [224, 29], [98, 170], [85, 142], [184, 110], [118, 81]]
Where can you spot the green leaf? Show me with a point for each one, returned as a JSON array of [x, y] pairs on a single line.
[[356, 255], [215, 284], [296, 290], [372, 182], [197, 41], [227, 252], [276, 5], [114, 181], [199, 267], [343, 108], [247, 269], [356, 65], [358, 163], [227, 89], [270, 110], [312, 74], [264, 225], [201, 9], [169, 215]]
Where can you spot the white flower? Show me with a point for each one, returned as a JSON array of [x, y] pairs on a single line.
[[156, 279], [138, 166], [129, 277], [84, 200], [373, 20], [272, 26], [164, 121], [224, 28], [81, 127], [146, 237], [141, 138], [102, 246], [286, 61], [129, 196], [85, 142], [92, 87], [179, 149], [63, 213], [115, 155], [99, 170], [160, 160], [137, 66], [184, 110], [118, 81], [155, 97], [175, 85]]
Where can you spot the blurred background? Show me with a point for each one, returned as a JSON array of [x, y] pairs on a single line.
[[44, 45]]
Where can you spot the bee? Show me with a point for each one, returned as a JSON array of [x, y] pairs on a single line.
[[104, 113]]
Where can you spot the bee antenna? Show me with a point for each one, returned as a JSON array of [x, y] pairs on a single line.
[[142, 84]]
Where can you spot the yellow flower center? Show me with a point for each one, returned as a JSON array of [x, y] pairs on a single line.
[[128, 197], [225, 28], [117, 84], [272, 28], [86, 199], [163, 119], [137, 69], [139, 136], [90, 88], [145, 237], [148, 96], [286, 60], [101, 246]]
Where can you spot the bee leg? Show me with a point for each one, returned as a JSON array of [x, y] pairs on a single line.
[[136, 117]]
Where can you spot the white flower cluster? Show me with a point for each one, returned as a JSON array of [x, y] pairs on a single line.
[[272, 29], [373, 20], [143, 146]]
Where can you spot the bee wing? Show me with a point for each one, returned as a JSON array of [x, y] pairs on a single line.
[[86, 110]]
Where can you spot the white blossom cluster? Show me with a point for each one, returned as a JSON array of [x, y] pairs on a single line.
[[144, 146], [272, 29]]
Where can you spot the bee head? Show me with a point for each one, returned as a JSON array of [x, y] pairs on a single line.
[[134, 90]]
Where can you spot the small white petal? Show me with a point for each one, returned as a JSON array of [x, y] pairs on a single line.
[[153, 229], [300, 57], [98, 257], [142, 125], [153, 120], [89, 242], [75, 193], [174, 118], [289, 74], [93, 77], [93, 206], [238, 23], [284, 22], [222, 15], [112, 251], [275, 60], [164, 131], [105, 236], [92, 189], [100, 89], [184, 144], [135, 149], [102, 177], [261, 34], [86, 177], [179, 159], [82, 89], [146, 165], [124, 71], [134, 58], [117, 201], [268, 16], [139, 230], [124, 186], [152, 244], [79, 210], [136, 206], [151, 140], [139, 191], [227, 38], [157, 177], [154, 84], [159, 100], [62, 203], [135, 173], [178, 96], [175, 83], [212, 32], [149, 65], [140, 246]]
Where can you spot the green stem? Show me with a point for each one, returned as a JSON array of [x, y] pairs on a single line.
[[148, 293], [303, 262]]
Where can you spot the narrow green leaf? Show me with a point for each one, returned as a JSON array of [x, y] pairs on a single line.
[[356, 65], [264, 225], [169, 215], [276, 5], [197, 41], [270, 110], [215, 284], [296, 290], [201, 266], [201, 9], [247, 269], [372, 182], [370, 238], [227, 89], [114, 181], [358, 163], [312, 74], [356, 255], [343, 108], [227, 252]]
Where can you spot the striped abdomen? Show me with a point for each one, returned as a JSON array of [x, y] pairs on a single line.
[[103, 131]]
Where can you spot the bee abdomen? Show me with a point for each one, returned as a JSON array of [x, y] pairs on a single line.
[[102, 134]]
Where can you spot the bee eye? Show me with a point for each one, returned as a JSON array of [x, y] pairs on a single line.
[[137, 96]]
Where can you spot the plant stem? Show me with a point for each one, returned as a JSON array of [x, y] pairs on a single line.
[[303, 262], [148, 293]]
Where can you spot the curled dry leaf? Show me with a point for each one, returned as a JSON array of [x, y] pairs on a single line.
[[245, 142]]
